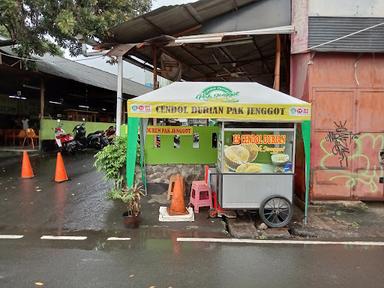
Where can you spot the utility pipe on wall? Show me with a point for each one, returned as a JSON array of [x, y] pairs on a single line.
[[119, 97]]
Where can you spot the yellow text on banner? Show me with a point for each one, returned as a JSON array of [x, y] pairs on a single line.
[[169, 130]]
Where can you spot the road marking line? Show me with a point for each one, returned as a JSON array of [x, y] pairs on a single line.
[[290, 242], [11, 236], [50, 237], [118, 239]]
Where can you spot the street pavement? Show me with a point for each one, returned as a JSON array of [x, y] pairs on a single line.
[[148, 261], [150, 256]]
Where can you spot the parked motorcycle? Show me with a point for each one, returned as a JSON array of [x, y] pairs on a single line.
[[95, 140], [110, 133], [79, 133], [65, 142]]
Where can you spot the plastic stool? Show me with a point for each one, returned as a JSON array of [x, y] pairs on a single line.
[[200, 195], [171, 187]]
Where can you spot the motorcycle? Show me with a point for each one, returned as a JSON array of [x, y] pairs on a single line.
[[65, 142], [79, 133], [110, 134], [95, 140]]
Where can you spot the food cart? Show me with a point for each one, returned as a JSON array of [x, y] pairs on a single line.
[[255, 169], [256, 145]]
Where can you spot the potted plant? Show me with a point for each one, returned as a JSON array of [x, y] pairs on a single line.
[[112, 160], [131, 199]]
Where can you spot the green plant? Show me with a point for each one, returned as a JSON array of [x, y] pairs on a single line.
[[67, 23], [130, 197], [112, 160]]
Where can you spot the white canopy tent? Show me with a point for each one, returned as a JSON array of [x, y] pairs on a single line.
[[224, 100], [235, 101]]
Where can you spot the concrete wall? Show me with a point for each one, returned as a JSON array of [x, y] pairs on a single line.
[[346, 8], [162, 173], [302, 9], [299, 39]]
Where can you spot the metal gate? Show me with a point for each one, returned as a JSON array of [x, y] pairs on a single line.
[[348, 144]]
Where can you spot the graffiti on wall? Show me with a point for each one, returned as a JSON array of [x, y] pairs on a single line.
[[365, 150], [341, 139]]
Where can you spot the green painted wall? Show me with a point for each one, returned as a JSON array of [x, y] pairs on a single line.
[[186, 154], [47, 127], [123, 130], [166, 154]]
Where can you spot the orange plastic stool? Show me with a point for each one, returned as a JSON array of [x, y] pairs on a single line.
[[171, 186], [200, 195]]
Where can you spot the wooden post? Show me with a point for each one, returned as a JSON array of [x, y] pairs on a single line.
[[154, 56], [42, 98], [276, 83], [42, 109]]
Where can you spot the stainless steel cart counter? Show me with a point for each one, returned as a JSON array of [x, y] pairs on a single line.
[[255, 169]]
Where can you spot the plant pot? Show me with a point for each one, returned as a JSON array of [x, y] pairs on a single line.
[[131, 221]]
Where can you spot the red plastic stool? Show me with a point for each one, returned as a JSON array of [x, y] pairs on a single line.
[[200, 195]]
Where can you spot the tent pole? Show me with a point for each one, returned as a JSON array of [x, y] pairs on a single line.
[[306, 134], [143, 128], [119, 97]]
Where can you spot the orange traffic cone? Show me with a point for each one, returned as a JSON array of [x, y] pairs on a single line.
[[61, 173], [26, 168], [177, 203]]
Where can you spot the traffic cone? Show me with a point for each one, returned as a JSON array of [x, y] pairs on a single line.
[[26, 168], [61, 173], [177, 202]]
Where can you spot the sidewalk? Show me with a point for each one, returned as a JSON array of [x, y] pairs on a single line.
[[334, 220], [343, 220]]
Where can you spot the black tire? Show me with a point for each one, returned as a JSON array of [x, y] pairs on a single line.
[[70, 147], [276, 211]]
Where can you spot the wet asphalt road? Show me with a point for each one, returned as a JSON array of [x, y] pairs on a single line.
[[153, 258], [156, 262], [40, 203], [78, 206]]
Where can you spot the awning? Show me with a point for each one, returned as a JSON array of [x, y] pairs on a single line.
[[219, 37], [248, 101]]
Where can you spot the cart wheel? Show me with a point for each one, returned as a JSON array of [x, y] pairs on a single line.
[[276, 211], [212, 213]]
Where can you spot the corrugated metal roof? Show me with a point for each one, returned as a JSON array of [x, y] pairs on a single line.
[[171, 20], [65, 68], [324, 29], [243, 57], [260, 15]]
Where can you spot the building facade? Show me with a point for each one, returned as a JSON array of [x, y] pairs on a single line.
[[337, 64]]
